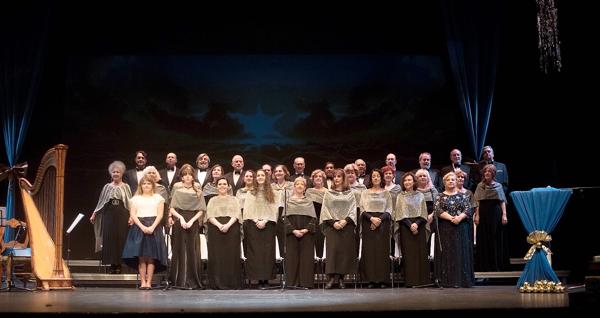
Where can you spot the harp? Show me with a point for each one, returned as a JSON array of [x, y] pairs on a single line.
[[43, 207]]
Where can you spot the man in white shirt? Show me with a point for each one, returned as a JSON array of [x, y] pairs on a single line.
[[202, 171], [236, 177], [169, 174]]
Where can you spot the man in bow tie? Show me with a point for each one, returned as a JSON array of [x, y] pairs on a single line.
[[236, 177], [170, 175], [457, 163], [299, 166], [132, 176], [202, 162]]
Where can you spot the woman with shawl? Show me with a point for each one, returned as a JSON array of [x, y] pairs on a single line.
[[490, 218], [110, 218], [410, 217], [186, 212], [260, 225], [376, 208], [224, 217], [300, 226], [338, 223]]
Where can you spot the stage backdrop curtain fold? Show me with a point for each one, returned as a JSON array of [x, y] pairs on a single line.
[[472, 33], [23, 37], [540, 209]]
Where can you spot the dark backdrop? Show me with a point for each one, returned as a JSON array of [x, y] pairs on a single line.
[[541, 125]]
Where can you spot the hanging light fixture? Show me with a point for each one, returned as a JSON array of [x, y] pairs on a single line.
[[548, 42]]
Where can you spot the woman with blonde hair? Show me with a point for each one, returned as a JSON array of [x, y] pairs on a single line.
[[454, 251], [145, 247]]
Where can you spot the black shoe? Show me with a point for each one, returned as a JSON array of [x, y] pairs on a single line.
[[371, 286], [382, 285], [342, 285]]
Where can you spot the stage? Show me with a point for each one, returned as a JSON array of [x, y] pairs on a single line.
[[128, 300]]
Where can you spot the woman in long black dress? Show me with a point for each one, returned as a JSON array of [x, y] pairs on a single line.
[[410, 217], [376, 208], [315, 194], [454, 251], [260, 225], [300, 225], [490, 218], [111, 216], [224, 217], [338, 223], [186, 210]]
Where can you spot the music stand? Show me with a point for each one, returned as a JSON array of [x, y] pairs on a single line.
[[69, 230], [166, 282]]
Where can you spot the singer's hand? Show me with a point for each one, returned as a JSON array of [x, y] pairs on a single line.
[[93, 218]]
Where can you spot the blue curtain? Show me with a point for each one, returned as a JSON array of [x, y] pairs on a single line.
[[540, 209], [22, 50], [472, 32]]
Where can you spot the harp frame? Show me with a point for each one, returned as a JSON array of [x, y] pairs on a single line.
[[48, 265]]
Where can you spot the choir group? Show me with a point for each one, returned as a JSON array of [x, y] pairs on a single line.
[[350, 218]]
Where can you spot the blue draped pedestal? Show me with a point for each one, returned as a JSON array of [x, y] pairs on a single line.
[[540, 209]]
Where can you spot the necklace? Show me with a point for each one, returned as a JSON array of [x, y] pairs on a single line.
[[188, 187]]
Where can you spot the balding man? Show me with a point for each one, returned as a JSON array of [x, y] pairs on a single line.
[[170, 174], [456, 159], [299, 166], [361, 176], [390, 161], [236, 177]]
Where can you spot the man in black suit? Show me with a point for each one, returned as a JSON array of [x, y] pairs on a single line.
[[501, 172], [132, 176], [299, 166], [425, 163], [236, 177], [390, 160], [170, 175], [329, 169], [362, 177], [456, 158], [202, 171]]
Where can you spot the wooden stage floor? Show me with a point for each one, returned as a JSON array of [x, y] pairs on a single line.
[[104, 301]]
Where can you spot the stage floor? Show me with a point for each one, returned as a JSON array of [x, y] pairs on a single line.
[[105, 301]]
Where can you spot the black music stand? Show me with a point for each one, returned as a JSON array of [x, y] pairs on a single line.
[[165, 284]]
